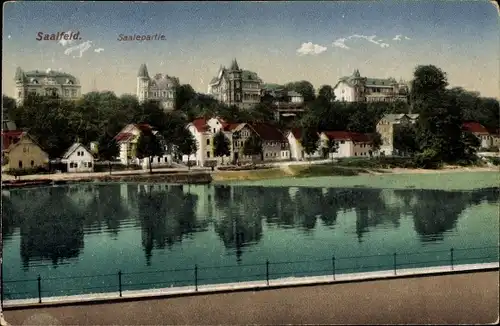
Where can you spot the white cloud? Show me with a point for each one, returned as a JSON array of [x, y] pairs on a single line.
[[99, 50], [9, 37], [66, 42], [310, 48], [340, 43], [83, 47], [400, 37]]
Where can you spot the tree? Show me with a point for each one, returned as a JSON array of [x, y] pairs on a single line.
[[427, 87], [331, 147], [309, 140], [221, 145], [376, 141], [148, 146], [326, 93], [253, 146], [187, 145], [303, 87], [184, 94], [107, 148], [405, 139]]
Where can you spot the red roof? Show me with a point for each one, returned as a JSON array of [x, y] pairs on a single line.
[[267, 132], [10, 137], [231, 126], [474, 127], [143, 127], [297, 133], [200, 124], [347, 135], [124, 136]]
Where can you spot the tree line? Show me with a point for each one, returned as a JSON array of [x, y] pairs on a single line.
[[56, 123]]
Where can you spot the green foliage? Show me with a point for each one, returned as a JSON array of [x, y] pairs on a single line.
[[428, 159], [331, 147], [107, 147], [187, 144], [376, 141], [252, 146], [326, 94], [221, 144], [27, 171], [148, 146], [305, 88], [310, 139], [405, 139]]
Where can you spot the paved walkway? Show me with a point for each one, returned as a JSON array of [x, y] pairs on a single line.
[[470, 298]]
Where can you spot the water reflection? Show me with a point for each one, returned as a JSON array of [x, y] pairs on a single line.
[[52, 222]]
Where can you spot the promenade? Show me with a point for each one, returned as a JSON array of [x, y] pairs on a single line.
[[467, 298]]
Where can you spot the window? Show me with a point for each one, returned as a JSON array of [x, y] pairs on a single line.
[[208, 154], [89, 164], [214, 130], [73, 92], [19, 94], [355, 154], [66, 92], [84, 164], [266, 154], [208, 141], [20, 164], [25, 149], [166, 160], [342, 142], [32, 163], [159, 160]]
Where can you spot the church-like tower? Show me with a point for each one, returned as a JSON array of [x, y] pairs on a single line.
[[142, 83], [235, 83], [20, 79]]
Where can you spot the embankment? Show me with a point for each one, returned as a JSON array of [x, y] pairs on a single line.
[[160, 177]]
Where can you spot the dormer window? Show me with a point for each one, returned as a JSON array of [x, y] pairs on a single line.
[[34, 81], [69, 82]]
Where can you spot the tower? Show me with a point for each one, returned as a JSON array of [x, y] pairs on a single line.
[[142, 83], [235, 87], [20, 79]]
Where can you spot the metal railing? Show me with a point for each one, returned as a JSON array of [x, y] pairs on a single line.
[[265, 271]]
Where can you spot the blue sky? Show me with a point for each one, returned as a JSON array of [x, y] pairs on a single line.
[[460, 37]]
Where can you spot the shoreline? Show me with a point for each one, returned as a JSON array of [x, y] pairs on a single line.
[[287, 175]]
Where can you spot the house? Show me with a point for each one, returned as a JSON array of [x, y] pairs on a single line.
[[355, 88], [241, 132], [21, 151], [235, 86], [350, 144], [296, 150], [275, 146], [204, 131], [78, 159], [387, 126], [127, 142], [486, 137]]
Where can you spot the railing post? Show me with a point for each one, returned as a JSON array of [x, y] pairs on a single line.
[[39, 280], [196, 277], [120, 282], [267, 272], [451, 258], [395, 265], [333, 266]]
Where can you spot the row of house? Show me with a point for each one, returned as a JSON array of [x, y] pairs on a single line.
[[21, 151]]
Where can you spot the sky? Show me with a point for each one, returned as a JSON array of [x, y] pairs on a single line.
[[281, 41]]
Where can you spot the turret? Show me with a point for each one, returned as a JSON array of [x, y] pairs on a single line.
[[142, 83]]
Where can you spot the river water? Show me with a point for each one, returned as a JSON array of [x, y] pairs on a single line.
[[77, 238]]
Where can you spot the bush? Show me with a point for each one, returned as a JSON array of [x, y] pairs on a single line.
[[27, 171], [428, 159], [494, 160]]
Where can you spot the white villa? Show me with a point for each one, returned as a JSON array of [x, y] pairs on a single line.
[[350, 144], [355, 88], [127, 142], [78, 159], [203, 131]]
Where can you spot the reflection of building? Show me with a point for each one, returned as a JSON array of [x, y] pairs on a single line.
[[20, 151], [235, 86], [161, 88], [362, 89], [51, 83], [386, 127]]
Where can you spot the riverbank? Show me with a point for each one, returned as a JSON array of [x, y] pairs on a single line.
[[324, 176], [194, 177]]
